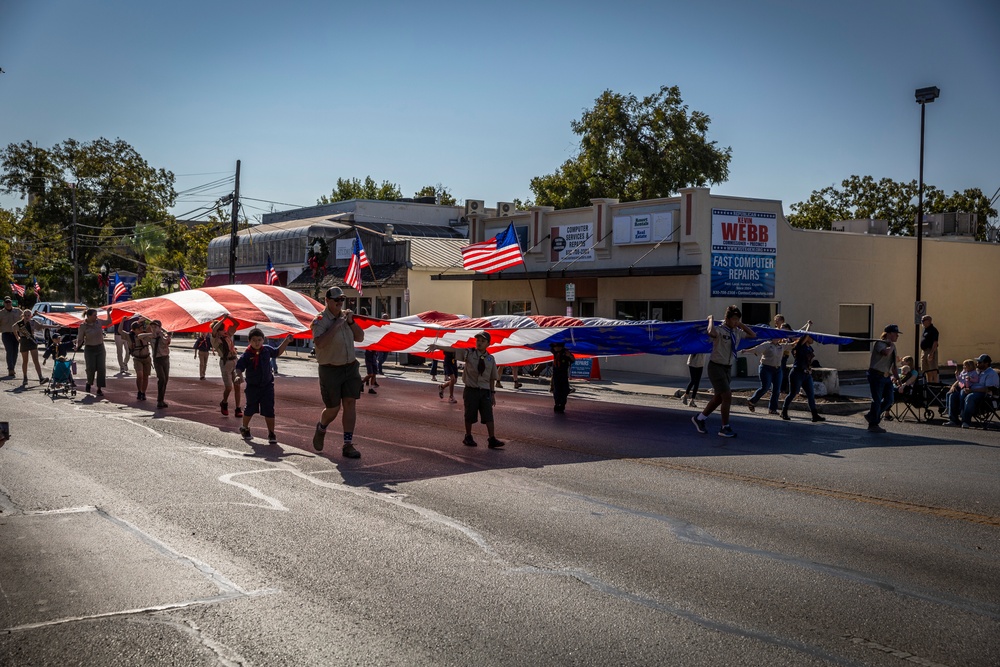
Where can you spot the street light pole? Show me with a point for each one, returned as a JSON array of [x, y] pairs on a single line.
[[924, 97]]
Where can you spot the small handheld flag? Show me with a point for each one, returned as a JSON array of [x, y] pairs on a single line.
[[359, 260], [500, 252], [182, 281], [17, 289]]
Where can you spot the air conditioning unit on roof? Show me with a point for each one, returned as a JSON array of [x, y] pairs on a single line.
[[475, 207], [505, 208]]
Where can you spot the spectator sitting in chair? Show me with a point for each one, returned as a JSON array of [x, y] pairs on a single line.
[[965, 402], [907, 376]]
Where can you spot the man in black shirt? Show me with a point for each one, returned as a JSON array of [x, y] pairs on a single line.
[[929, 350]]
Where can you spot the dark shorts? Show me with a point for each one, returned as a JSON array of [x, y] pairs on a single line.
[[450, 367], [259, 400], [718, 375], [478, 402], [371, 363], [27, 344], [339, 382]]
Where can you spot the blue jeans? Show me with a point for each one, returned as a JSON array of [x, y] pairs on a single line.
[[963, 406], [882, 393], [770, 378], [800, 378]]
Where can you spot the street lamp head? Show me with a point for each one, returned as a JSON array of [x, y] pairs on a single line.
[[926, 95]]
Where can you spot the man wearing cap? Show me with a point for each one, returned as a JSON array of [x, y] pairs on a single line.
[[881, 370], [9, 316], [929, 349], [334, 334], [963, 404], [480, 377]]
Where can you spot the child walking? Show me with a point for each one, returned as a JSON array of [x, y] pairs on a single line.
[[725, 343], [255, 363]]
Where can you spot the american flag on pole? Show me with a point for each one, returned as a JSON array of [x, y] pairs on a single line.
[[359, 260], [271, 277], [183, 281], [120, 289], [17, 289], [500, 252], [38, 288]]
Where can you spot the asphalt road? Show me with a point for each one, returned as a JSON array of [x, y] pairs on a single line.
[[612, 535]]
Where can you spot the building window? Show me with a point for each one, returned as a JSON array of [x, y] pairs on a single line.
[[491, 308], [639, 311], [856, 322]]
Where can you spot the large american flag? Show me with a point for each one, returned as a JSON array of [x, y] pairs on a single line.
[[500, 252], [359, 260], [182, 282], [120, 289], [271, 277], [17, 289]]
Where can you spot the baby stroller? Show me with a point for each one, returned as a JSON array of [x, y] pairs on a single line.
[[61, 381]]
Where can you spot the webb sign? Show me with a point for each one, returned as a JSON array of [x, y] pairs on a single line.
[[744, 248]]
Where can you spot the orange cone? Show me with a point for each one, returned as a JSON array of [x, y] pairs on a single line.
[[595, 370]]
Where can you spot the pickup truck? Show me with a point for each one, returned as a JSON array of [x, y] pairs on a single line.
[[44, 330]]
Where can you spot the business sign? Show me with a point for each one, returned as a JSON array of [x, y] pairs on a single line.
[[642, 226], [744, 250], [572, 243], [344, 248], [581, 369]]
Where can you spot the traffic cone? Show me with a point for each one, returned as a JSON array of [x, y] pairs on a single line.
[[595, 370]]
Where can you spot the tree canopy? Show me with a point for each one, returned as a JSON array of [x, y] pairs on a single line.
[[115, 189], [355, 188], [861, 197], [633, 149], [444, 198]]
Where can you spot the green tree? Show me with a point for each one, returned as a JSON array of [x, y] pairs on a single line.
[[355, 188], [633, 149], [116, 191], [861, 197], [444, 198], [7, 226]]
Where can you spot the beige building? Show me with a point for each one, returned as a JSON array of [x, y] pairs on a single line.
[[685, 257]]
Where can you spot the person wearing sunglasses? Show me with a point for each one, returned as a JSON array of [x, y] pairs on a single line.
[[334, 334]]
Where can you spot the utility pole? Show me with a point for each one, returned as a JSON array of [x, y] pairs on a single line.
[[234, 241], [76, 264]]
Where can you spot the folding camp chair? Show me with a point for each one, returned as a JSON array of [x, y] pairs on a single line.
[[936, 398], [988, 411], [911, 402]]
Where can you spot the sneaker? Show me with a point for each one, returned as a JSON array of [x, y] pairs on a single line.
[[784, 415], [272, 439], [452, 400], [161, 405], [225, 408], [875, 428], [966, 425], [138, 395], [349, 452], [685, 399], [818, 417], [518, 385], [142, 396], [88, 388], [238, 412], [318, 437], [726, 432], [499, 386], [494, 443], [751, 407], [372, 391], [468, 441], [699, 424], [245, 432], [441, 392], [693, 404], [950, 423], [772, 412], [99, 392]]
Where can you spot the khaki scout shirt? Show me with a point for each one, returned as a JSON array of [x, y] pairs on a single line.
[[338, 348], [8, 318], [91, 334], [471, 377]]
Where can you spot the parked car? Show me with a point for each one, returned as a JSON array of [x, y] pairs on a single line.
[[43, 332]]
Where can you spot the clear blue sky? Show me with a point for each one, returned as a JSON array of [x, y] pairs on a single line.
[[479, 97]]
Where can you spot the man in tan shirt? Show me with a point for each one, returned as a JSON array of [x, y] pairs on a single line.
[[334, 334], [91, 337], [9, 316]]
